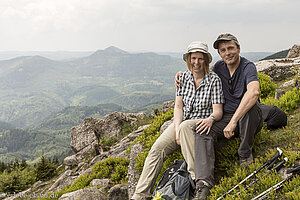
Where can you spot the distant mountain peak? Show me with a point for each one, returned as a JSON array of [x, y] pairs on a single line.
[[113, 49]]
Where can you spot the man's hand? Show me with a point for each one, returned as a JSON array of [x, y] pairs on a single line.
[[229, 129], [176, 79], [204, 125]]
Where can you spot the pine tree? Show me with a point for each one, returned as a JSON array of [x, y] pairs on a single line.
[[45, 169], [23, 164], [16, 163]]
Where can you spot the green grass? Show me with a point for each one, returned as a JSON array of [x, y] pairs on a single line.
[[288, 139]]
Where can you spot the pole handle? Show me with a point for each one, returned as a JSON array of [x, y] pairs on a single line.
[[279, 165]]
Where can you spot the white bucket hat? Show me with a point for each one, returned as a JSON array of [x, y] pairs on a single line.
[[197, 46]]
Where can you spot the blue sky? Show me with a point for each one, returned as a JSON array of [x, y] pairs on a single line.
[[146, 25]]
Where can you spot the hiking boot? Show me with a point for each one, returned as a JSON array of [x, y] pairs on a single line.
[[246, 161], [202, 191]]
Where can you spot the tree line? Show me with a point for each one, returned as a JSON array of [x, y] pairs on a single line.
[[17, 176]]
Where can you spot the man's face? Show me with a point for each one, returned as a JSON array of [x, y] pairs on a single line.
[[229, 52]]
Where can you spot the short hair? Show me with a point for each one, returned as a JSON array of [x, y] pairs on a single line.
[[224, 41], [206, 62]]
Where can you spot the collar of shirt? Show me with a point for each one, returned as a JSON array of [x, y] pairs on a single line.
[[205, 80]]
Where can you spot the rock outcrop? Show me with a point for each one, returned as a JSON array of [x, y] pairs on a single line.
[[132, 175], [80, 168], [288, 84], [85, 138], [67, 178], [278, 68], [168, 105], [294, 52], [103, 184], [84, 194], [118, 192]]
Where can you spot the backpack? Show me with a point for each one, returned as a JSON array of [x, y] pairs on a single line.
[[273, 116], [176, 182]]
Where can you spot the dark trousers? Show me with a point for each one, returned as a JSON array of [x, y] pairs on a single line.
[[250, 124]]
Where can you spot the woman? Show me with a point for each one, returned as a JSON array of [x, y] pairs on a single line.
[[198, 104]]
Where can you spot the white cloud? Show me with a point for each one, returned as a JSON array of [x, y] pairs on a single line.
[[156, 25]]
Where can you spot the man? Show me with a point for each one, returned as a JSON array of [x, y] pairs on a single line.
[[241, 112]]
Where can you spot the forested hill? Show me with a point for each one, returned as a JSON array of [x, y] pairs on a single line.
[[5, 126], [280, 54], [50, 137], [45, 98], [30, 145], [71, 116], [32, 87]]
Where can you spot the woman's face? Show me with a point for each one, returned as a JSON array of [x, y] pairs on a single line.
[[197, 62]]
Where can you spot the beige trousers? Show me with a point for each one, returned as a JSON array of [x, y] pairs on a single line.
[[164, 146]]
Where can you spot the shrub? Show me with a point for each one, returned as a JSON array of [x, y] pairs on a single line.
[[267, 87], [288, 102], [114, 169], [128, 128], [17, 180], [107, 142]]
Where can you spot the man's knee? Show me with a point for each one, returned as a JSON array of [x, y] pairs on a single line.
[[203, 137], [253, 118], [255, 113]]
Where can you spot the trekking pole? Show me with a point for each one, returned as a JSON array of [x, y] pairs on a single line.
[[275, 168], [275, 157], [279, 185]]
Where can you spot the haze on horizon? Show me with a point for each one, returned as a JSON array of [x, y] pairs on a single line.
[[146, 25]]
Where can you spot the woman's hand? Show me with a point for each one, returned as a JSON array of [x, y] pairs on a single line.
[[204, 125], [176, 79], [177, 137]]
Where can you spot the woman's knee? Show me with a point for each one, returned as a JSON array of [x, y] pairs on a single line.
[[154, 153], [187, 125], [157, 149]]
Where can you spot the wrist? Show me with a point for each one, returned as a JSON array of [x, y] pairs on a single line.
[[213, 118]]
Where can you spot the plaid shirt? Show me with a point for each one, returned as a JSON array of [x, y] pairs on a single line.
[[197, 103]]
